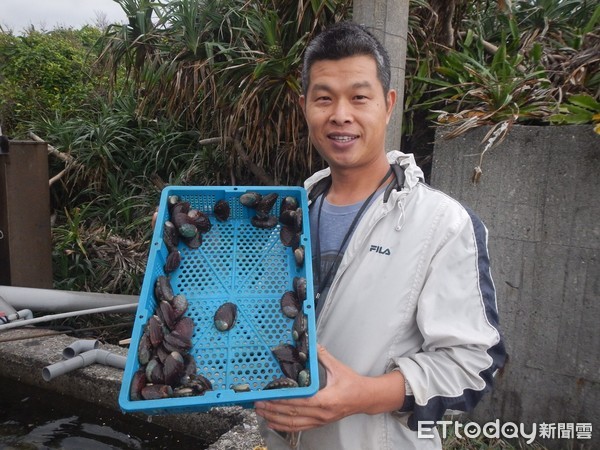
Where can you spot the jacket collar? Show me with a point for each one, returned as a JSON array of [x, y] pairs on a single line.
[[413, 173]]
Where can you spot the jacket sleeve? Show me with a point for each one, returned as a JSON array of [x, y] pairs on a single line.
[[458, 319]]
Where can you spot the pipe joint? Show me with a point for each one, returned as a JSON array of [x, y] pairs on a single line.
[[79, 346], [86, 358]]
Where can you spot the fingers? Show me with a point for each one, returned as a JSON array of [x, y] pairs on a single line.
[[154, 217], [285, 418]]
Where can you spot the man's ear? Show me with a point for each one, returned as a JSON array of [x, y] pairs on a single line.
[[302, 101], [391, 98]]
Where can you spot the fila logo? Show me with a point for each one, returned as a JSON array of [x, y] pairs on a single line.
[[380, 250]]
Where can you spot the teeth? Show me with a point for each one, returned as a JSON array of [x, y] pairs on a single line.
[[342, 138]]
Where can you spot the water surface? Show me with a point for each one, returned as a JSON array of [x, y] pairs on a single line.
[[34, 418]]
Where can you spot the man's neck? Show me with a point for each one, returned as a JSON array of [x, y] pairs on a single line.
[[352, 186]]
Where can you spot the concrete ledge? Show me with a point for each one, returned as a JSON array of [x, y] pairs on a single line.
[[24, 354]]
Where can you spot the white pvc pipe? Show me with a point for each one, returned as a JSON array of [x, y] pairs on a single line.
[[96, 356], [24, 314], [121, 308], [6, 308], [51, 300], [79, 346]]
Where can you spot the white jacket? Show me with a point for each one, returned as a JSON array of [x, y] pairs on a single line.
[[413, 293]]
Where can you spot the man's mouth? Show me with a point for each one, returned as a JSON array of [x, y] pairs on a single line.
[[342, 138]]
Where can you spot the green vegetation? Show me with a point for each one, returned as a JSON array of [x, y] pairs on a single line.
[[44, 74], [503, 66], [205, 93]]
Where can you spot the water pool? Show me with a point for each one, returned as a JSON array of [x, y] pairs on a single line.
[[34, 418]]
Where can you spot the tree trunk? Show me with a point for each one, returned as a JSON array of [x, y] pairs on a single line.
[[388, 20]]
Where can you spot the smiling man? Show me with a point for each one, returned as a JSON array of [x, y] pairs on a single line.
[[407, 320]]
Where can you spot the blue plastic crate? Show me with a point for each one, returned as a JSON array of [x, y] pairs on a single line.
[[239, 263]]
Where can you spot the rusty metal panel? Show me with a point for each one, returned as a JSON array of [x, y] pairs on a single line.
[[25, 236]]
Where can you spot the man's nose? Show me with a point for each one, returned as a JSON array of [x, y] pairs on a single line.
[[342, 113]]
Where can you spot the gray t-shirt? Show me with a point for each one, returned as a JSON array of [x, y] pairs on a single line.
[[334, 224]]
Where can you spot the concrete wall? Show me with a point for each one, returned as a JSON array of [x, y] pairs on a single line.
[[539, 196]]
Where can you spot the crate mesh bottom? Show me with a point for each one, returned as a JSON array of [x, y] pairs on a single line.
[[248, 266], [236, 263]]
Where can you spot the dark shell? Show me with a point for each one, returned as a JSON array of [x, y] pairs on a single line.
[[179, 207], [185, 327], [173, 368], [194, 242], [172, 200], [156, 391], [155, 331], [180, 306], [173, 261], [292, 219], [299, 219], [289, 237], [170, 236], [304, 378], [188, 231], [200, 220], [288, 203], [180, 217], [250, 199], [288, 218], [198, 382], [302, 346], [196, 385], [299, 284], [190, 366], [299, 255], [225, 316], [138, 382], [286, 353], [176, 342], [163, 289], [264, 206], [154, 372], [167, 314], [290, 304], [281, 383], [201, 381], [300, 326], [184, 391], [145, 348], [162, 353], [222, 210], [291, 369], [265, 223]]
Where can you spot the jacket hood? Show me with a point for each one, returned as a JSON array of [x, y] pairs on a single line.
[[413, 173]]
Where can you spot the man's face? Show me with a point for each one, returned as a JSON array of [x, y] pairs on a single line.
[[347, 112]]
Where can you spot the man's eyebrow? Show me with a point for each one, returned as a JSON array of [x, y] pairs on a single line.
[[327, 88], [321, 87], [362, 84]]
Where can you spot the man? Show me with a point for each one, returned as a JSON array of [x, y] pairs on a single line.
[[407, 321]]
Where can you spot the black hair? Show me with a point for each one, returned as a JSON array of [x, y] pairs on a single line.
[[343, 40]]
